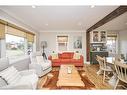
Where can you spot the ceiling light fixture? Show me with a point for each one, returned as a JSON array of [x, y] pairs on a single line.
[[46, 24], [79, 24], [33, 6], [92, 6]]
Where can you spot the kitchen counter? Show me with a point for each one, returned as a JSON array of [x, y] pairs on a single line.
[[99, 51], [93, 55]]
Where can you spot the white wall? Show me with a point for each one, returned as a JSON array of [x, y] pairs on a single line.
[[123, 41], [50, 37]]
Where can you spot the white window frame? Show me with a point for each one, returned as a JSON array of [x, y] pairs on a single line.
[[25, 46], [57, 49]]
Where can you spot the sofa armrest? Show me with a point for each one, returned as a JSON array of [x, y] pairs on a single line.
[[50, 57], [81, 58]]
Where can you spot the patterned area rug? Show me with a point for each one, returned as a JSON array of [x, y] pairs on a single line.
[[51, 83]]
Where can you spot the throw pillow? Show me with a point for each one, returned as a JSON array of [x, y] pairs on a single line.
[[3, 82], [76, 56], [54, 56], [40, 59], [10, 75]]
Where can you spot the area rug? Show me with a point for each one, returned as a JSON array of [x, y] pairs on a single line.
[[51, 83]]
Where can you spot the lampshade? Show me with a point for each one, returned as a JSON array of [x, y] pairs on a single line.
[[43, 44]]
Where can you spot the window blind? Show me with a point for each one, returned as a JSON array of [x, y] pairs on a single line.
[[15, 32], [112, 35], [62, 39], [2, 31], [19, 33], [30, 37]]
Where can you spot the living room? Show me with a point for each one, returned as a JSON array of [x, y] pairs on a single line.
[[57, 38]]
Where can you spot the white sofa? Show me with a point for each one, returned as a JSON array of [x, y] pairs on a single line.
[[28, 78], [42, 67]]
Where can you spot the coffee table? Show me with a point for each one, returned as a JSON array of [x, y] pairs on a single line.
[[66, 78]]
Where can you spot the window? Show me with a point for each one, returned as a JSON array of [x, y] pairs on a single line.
[[18, 41], [15, 46], [112, 44], [30, 47], [62, 42], [30, 41]]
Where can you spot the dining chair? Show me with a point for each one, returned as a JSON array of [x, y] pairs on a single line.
[[121, 71], [103, 66]]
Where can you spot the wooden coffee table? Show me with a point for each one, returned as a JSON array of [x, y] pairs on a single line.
[[69, 79]]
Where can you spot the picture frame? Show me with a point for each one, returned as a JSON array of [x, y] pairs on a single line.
[[77, 44]]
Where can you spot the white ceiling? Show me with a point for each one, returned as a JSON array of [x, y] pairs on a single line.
[[119, 23], [44, 18]]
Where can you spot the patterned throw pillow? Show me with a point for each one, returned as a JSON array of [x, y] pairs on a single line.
[[10, 75], [54, 56], [76, 56], [3, 82]]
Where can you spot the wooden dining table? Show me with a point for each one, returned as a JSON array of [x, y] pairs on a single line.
[[110, 60]]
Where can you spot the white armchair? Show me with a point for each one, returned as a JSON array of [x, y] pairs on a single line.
[[40, 65], [26, 79]]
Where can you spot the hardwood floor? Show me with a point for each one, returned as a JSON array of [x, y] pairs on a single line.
[[90, 71], [96, 79]]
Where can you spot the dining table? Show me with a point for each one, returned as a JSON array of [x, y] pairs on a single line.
[[110, 60]]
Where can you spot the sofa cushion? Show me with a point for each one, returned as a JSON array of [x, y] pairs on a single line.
[[68, 55], [75, 60], [11, 75], [4, 63], [76, 56], [29, 79], [56, 60], [65, 61], [54, 56]]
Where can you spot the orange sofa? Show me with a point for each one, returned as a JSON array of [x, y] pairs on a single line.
[[67, 58]]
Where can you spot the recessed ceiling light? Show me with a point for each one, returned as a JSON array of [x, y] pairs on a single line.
[[33, 6], [46, 24], [79, 24], [92, 6]]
